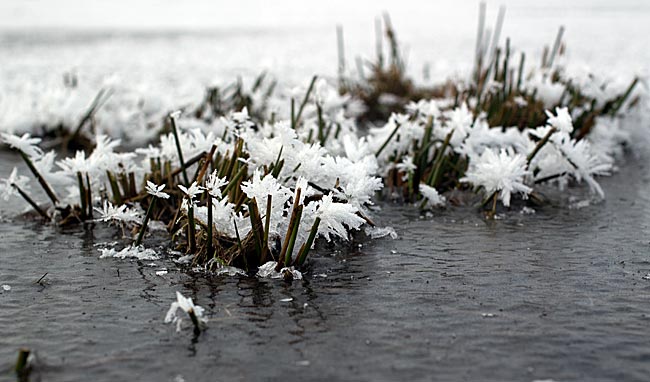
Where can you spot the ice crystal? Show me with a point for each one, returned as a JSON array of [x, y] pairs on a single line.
[[186, 305], [561, 121], [335, 217], [139, 253], [267, 270], [121, 213], [155, 190], [379, 232], [192, 191], [24, 143], [433, 198], [7, 188], [260, 188], [213, 185], [406, 166], [501, 172]]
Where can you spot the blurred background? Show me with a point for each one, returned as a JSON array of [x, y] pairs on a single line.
[[166, 52]]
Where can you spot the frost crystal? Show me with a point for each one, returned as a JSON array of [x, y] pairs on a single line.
[[192, 191], [25, 143], [122, 213], [260, 188], [335, 217], [213, 185], [406, 166], [7, 186], [434, 199], [503, 173], [155, 190], [584, 164], [185, 304], [561, 121]]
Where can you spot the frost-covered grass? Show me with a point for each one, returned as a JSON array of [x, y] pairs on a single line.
[[255, 177], [230, 191], [508, 128]]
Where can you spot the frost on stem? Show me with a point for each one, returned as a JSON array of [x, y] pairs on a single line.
[[120, 214], [24, 143], [8, 185], [186, 304], [432, 197], [156, 190]]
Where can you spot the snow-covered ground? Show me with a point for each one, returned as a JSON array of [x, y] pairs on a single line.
[[159, 55]]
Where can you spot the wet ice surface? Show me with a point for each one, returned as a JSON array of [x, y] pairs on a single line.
[[558, 294]]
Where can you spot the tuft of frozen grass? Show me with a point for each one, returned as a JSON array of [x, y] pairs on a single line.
[[317, 152]]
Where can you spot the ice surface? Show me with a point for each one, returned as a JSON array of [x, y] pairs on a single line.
[[139, 253]]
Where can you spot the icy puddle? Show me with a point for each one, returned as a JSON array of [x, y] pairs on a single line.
[[558, 294]]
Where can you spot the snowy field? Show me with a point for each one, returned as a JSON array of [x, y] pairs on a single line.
[[165, 60]]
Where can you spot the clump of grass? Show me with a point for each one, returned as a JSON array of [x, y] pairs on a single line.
[[266, 187], [386, 88], [497, 93], [188, 206], [495, 89]]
